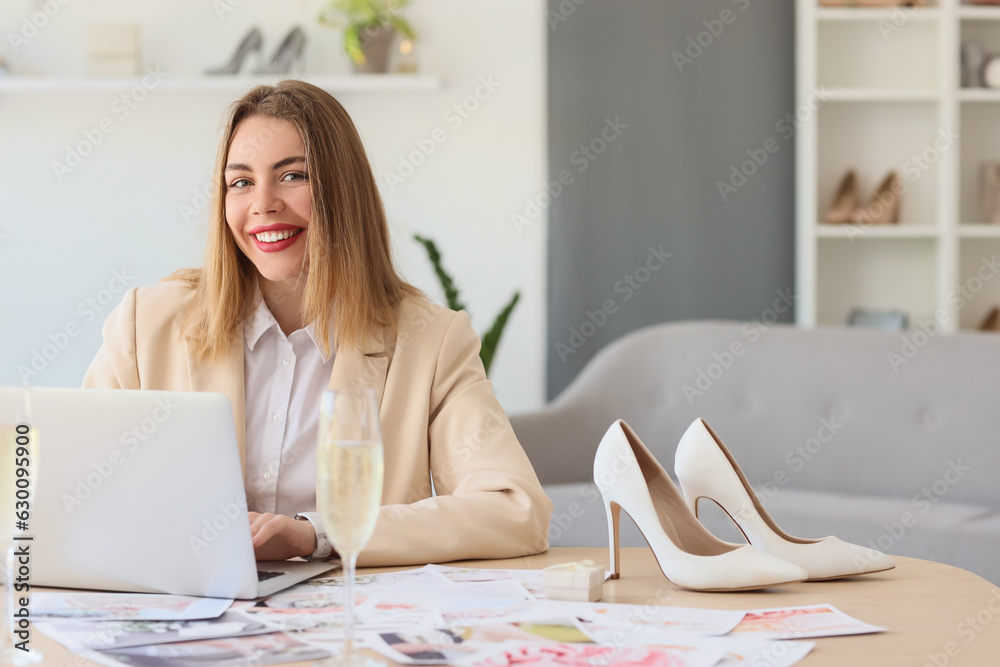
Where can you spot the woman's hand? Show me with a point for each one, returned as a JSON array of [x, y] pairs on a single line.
[[279, 537]]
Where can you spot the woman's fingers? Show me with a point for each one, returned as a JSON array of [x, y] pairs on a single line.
[[277, 537], [264, 526]]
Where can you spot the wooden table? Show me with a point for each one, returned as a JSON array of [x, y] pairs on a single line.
[[936, 614]]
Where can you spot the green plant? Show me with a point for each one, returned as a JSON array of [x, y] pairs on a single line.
[[363, 17], [491, 338]]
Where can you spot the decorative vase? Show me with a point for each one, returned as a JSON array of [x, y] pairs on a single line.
[[376, 44]]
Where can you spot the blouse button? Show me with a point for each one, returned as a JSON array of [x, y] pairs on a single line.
[[285, 361], [267, 475], [276, 416]]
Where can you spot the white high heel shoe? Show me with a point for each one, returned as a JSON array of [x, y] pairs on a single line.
[[706, 469], [630, 478]]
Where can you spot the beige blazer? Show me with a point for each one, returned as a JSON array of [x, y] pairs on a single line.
[[439, 418]]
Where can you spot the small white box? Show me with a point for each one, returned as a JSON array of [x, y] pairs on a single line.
[[112, 40], [581, 581], [113, 49]]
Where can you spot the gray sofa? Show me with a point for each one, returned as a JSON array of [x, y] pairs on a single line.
[[886, 439]]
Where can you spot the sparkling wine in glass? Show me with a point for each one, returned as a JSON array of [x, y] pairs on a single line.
[[18, 470], [349, 470]]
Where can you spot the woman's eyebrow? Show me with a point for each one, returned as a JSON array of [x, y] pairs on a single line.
[[239, 166]]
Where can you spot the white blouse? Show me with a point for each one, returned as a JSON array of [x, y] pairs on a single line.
[[284, 379]]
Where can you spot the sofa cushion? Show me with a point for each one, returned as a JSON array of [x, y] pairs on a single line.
[[872, 413], [961, 534]]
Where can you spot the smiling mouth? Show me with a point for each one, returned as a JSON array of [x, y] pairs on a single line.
[[274, 237]]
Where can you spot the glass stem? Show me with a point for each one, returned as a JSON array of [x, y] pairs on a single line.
[[349, 566]]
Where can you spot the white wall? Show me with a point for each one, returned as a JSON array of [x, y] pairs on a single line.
[[123, 209]]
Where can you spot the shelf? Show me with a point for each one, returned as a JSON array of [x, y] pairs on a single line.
[[889, 81], [969, 12], [855, 232], [972, 230], [876, 14], [879, 95], [351, 83], [979, 95]]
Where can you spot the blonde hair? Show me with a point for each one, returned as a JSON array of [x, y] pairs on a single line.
[[347, 265]]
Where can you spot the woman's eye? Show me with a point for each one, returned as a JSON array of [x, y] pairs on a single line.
[[240, 183], [295, 176]]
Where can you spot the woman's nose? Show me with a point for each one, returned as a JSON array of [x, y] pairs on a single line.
[[266, 200]]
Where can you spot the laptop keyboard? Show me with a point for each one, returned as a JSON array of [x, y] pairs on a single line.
[[264, 576]]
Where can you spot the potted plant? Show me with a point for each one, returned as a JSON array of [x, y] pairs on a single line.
[[491, 338], [369, 29]]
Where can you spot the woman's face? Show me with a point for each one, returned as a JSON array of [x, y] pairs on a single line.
[[268, 206]]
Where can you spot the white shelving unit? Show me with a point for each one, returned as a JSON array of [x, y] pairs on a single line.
[[891, 100], [367, 83]]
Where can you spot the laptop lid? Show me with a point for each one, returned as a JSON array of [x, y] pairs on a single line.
[[142, 491]]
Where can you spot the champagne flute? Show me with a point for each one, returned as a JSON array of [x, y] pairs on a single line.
[[18, 469], [349, 470]]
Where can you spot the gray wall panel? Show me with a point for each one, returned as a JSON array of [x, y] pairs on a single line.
[[656, 182]]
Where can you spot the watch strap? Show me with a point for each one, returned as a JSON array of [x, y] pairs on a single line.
[[323, 546]]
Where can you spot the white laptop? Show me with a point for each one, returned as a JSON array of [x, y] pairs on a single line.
[[142, 491]]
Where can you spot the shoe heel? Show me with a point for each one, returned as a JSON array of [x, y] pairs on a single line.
[[691, 497], [614, 515], [705, 468]]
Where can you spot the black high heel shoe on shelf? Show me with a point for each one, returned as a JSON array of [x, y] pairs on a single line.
[[253, 42], [289, 53]]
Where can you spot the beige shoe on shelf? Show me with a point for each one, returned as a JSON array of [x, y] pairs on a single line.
[[846, 201], [706, 469], [992, 320], [883, 207], [630, 478]]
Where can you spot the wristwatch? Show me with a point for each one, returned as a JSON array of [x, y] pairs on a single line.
[[323, 546]]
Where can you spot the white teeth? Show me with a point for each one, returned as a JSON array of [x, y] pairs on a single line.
[[273, 237]]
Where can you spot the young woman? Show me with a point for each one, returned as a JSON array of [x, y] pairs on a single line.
[[298, 293]]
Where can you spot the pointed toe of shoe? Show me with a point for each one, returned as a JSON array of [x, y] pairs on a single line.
[[742, 569], [832, 558]]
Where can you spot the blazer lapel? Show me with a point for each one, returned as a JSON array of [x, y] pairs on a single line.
[[365, 367], [225, 377]]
